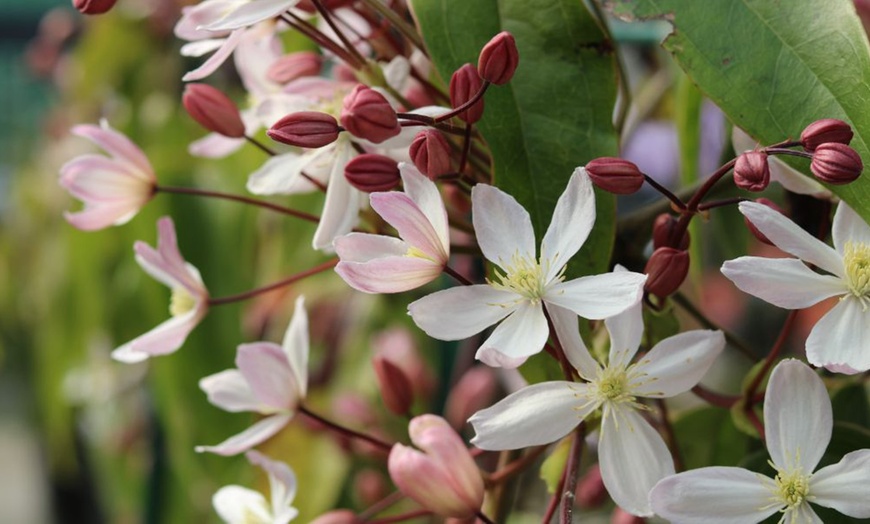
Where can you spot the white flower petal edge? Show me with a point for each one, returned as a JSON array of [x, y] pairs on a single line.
[[843, 486], [838, 341], [247, 439], [282, 486], [503, 227], [572, 221], [239, 505], [775, 280], [676, 364]]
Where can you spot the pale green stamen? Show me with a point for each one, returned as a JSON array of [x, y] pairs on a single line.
[[181, 302], [525, 277], [856, 261]]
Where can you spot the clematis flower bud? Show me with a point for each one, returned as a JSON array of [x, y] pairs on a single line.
[[464, 84], [394, 385], [591, 492], [213, 110], [305, 129], [430, 152], [836, 163], [293, 66], [367, 114], [443, 477], [667, 268], [751, 171], [615, 175], [664, 229], [338, 516], [94, 7], [473, 392], [371, 173], [499, 59], [754, 230], [824, 131]]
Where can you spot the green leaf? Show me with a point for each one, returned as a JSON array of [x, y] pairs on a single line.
[[708, 437], [774, 67], [556, 113], [554, 465]]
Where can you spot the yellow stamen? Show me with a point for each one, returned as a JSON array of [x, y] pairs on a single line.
[[181, 302], [856, 261], [525, 277]]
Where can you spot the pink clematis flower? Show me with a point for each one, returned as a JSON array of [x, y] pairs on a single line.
[[381, 264], [189, 297], [271, 380], [240, 505], [113, 188]]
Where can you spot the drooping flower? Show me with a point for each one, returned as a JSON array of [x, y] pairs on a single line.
[[112, 188], [797, 422], [239, 505], [839, 340], [270, 379], [631, 453], [524, 282], [189, 297]]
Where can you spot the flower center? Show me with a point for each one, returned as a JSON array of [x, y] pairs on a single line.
[[612, 385], [525, 277], [856, 260], [181, 302], [418, 253], [792, 487]]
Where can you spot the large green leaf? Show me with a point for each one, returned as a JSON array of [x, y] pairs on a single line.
[[774, 67], [556, 113]]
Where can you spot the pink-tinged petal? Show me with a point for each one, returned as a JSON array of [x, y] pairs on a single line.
[[413, 226], [393, 274], [843, 486], [214, 145], [535, 415], [102, 179], [343, 201], [282, 175], [848, 226], [119, 146], [282, 483], [235, 504], [202, 47], [459, 312], [632, 457], [99, 217], [838, 341], [715, 495], [205, 13], [254, 435], [253, 57], [230, 391], [425, 194], [572, 221], [267, 371], [363, 247], [522, 334], [568, 332], [677, 363], [163, 339], [598, 296], [296, 346], [166, 263], [503, 227], [797, 416], [784, 282], [626, 331], [217, 59], [250, 13], [789, 237]]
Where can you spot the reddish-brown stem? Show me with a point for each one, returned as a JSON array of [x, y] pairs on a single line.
[[693, 203], [277, 285], [553, 505], [261, 146], [466, 147], [571, 470], [721, 203], [316, 36], [469, 103], [457, 276], [719, 400], [381, 505], [359, 61], [238, 198], [484, 518], [675, 200], [516, 467], [338, 428], [771, 357], [787, 152]]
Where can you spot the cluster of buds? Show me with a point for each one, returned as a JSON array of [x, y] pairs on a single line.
[[833, 161], [367, 114]]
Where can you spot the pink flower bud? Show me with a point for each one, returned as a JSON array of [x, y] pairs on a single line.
[[499, 59], [293, 66], [370, 172], [394, 385], [93, 7], [443, 477], [667, 268], [464, 84], [430, 152], [664, 230], [368, 115], [398, 345], [615, 175], [591, 492], [824, 131], [754, 230], [338, 516], [836, 163], [751, 171], [369, 486], [473, 392], [305, 129], [213, 110], [620, 516]]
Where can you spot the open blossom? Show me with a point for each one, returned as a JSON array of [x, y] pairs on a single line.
[[797, 424], [240, 505], [112, 188], [839, 340], [270, 379], [631, 453], [524, 282], [382, 264], [189, 297]]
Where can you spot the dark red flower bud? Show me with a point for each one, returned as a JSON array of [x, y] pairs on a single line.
[[499, 59], [615, 175], [430, 152], [293, 66], [824, 131], [213, 110], [591, 493], [371, 172], [394, 385], [93, 7], [305, 129], [754, 230], [667, 268], [751, 171], [464, 84], [836, 163], [367, 114], [665, 230]]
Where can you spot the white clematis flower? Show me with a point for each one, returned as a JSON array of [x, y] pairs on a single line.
[[526, 283], [798, 423], [240, 505], [839, 340]]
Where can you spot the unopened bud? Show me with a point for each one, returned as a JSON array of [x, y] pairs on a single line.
[[665, 231], [591, 492], [338, 516], [615, 175], [667, 268], [464, 84], [293, 66], [754, 230], [499, 59], [367, 114], [620, 516], [473, 392], [305, 129], [836, 163], [824, 131], [430, 152], [371, 172], [213, 110], [751, 171], [93, 7], [394, 385]]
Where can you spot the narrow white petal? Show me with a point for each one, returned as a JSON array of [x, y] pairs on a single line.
[[296, 345], [342, 204], [784, 282], [459, 312], [251, 13], [230, 391], [626, 331], [425, 194], [247, 439], [565, 325], [282, 482], [572, 221], [848, 227], [838, 341], [843, 486], [522, 334], [236, 504], [365, 247], [217, 59], [598, 296], [678, 363], [282, 175], [535, 415], [503, 227]]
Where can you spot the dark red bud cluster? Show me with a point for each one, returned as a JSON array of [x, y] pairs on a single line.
[[371, 172], [368, 114], [615, 175], [498, 59], [464, 84], [824, 131], [305, 129], [93, 7], [754, 230], [665, 230], [836, 163], [751, 171], [213, 110], [430, 152], [666, 269]]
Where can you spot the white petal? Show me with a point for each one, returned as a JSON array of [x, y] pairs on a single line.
[[848, 226], [715, 495], [166, 338], [230, 391], [341, 207], [267, 371], [626, 331], [633, 457], [425, 194], [282, 175], [565, 325], [838, 341], [391, 274], [251, 13], [217, 59], [537, 414], [784, 282], [797, 416], [678, 363], [259, 432], [214, 145], [282, 484], [296, 345], [503, 227], [235, 505], [398, 210], [843, 486], [522, 334], [598, 296], [201, 47], [459, 312], [572, 221]]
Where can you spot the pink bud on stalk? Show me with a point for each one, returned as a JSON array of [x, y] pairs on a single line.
[[751, 171], [499, 59], [824, 131], [430, 152], [464, 84], [93, 7], [371, 173], [473, 392], [664, 229], [305, 129], [667, 268], [615, 175], [368, 115], [754, 230], [394, 385], [213, 110], [293, 66], [836, 163]]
